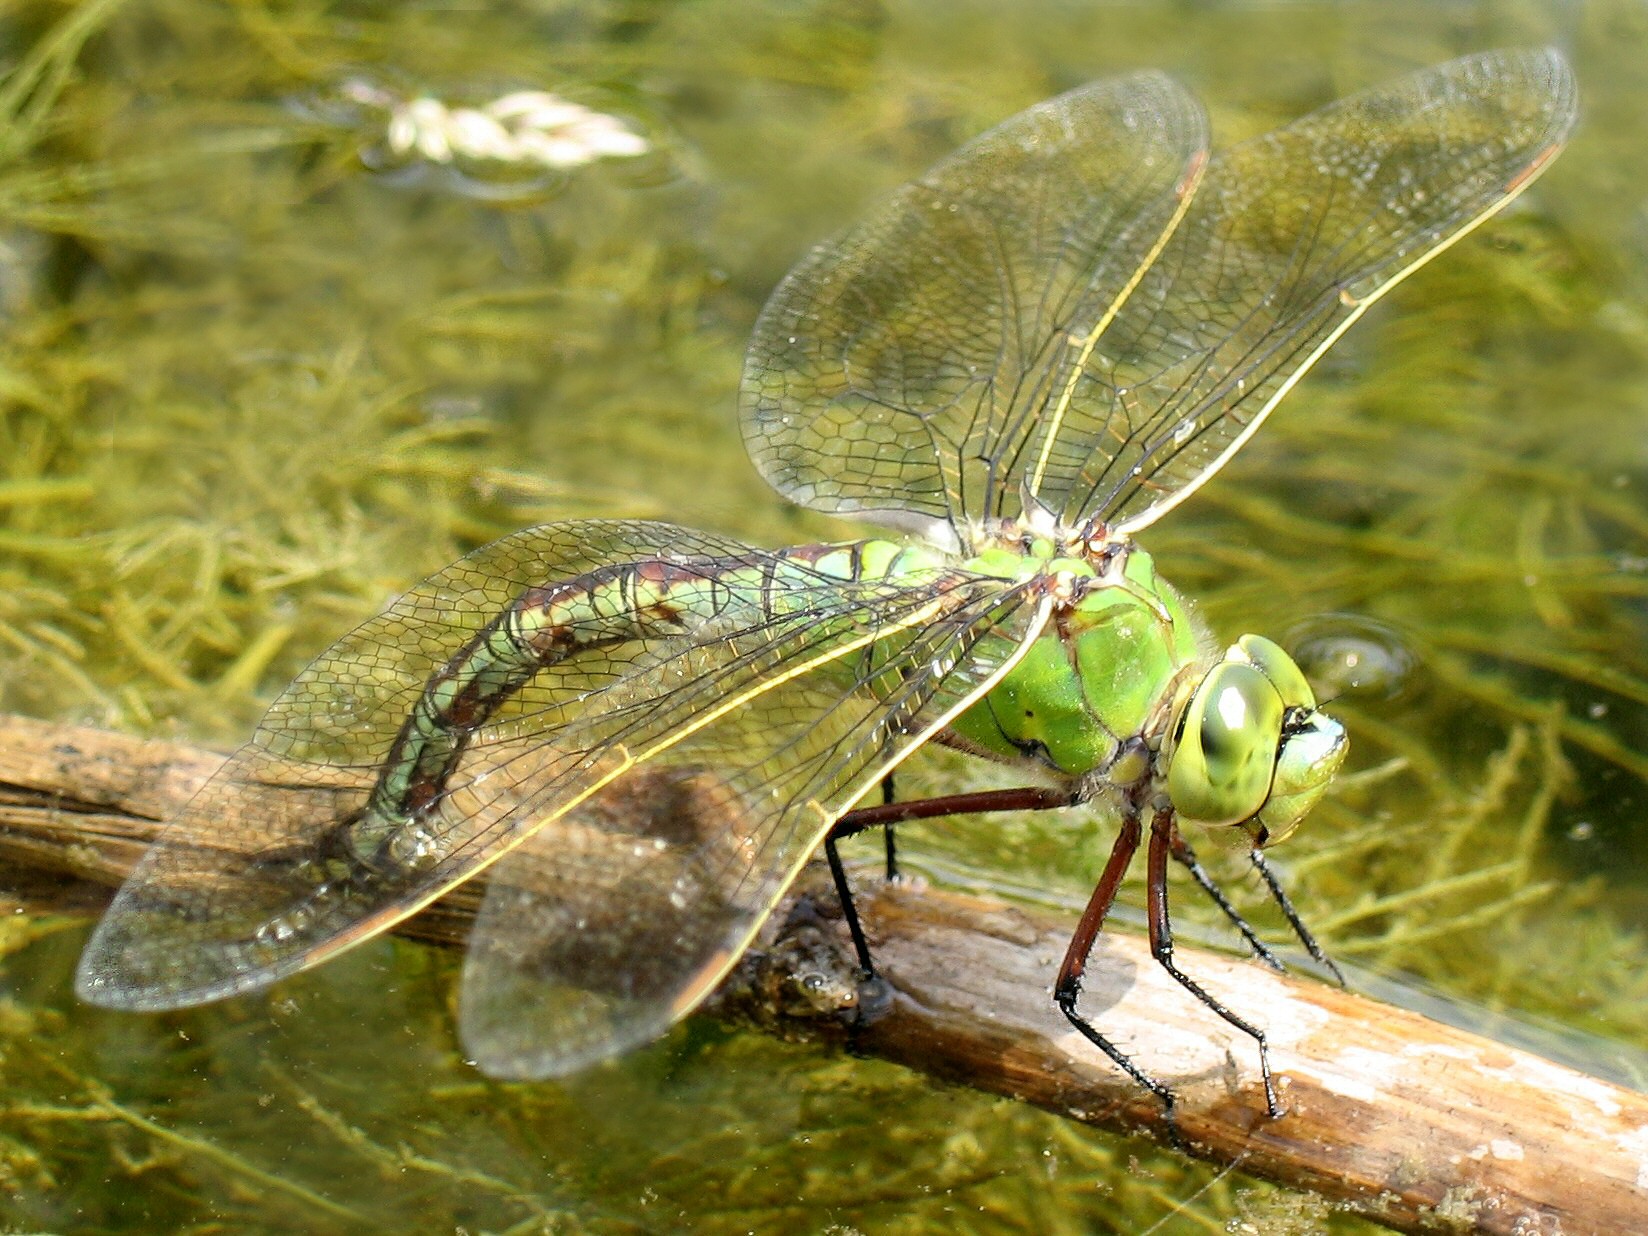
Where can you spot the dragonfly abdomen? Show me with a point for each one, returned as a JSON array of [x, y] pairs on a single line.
[[854, 561], [630, 603], [544, 626]]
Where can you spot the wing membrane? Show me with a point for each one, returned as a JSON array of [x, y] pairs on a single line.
[[898, 371], [1291, 237], [255, 878], [619, 917], [1060, 307]]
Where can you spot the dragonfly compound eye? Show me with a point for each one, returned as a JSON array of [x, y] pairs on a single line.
[[1221, 770], [1269, 658], [1313, 747]]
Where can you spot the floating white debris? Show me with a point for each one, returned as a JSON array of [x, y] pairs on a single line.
[[525, 127]]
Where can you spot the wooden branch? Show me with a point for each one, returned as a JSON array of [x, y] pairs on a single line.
[[1418, 1125]]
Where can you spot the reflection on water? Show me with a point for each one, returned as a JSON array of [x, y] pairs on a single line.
[[253, 388], [1352, 654]]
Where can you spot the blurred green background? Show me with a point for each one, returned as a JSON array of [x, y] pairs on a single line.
[[253, 383]]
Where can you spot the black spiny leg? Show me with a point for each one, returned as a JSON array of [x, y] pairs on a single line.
[[1165, 842], [1027, 798], [1274, 883], [1181, 851], [849, 911], [1163, 827], [887, 797]]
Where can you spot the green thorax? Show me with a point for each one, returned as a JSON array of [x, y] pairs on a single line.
[[1103, 673], [1123, 688]]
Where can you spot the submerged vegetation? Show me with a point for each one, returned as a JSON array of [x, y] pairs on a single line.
[[251, 387]]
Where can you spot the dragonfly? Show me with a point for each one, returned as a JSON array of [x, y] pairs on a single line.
[[642, 733]]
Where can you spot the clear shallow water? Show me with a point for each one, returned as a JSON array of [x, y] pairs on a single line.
[[252, 390]]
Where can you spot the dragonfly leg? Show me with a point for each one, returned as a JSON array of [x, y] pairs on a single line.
[[1181, 851], [849, 911], [1163, 827], [887, 797], [1024, 798], [1274, 883], [1067, 989]]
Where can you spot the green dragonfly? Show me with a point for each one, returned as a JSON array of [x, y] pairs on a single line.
[[642, 732]]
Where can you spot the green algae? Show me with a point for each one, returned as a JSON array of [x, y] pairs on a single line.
[[249, 390]]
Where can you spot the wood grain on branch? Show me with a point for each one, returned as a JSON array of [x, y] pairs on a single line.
[[1419, 1125]]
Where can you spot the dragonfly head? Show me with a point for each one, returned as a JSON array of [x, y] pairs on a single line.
[[1250, 747]]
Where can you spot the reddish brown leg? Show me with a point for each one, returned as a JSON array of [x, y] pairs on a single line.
[[1163, 832], [1067, 990], [1024, 798], [1165, 842]]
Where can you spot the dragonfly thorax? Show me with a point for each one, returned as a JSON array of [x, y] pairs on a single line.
[[1038, 535], [1107, 670], [1124, 689]]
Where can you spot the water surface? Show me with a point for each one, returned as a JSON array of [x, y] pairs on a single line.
[[254, 385]]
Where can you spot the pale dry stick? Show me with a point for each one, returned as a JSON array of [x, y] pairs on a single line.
[[1421, 1126]]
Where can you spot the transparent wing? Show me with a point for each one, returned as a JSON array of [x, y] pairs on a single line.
[[620, 916], [872, 388], [1291, 237], [898, 371], [283, 858]]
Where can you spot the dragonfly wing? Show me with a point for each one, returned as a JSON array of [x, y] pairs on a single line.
[[223, 901], [898, 371], [282, 859], [1290, 238], [616, 919], [1069, 306], [605, 926]]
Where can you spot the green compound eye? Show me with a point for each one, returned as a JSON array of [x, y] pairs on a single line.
[[1267, 657], [1311, 753], [1221, 770]]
